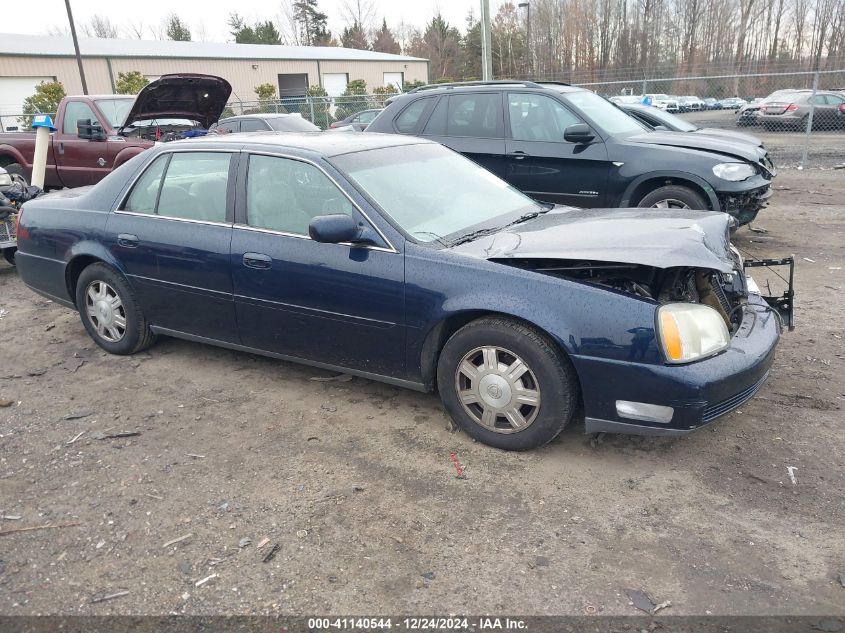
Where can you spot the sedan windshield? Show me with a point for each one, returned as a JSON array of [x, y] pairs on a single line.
[[433, 193]]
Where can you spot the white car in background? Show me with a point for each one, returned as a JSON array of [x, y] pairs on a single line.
[[663, 102]]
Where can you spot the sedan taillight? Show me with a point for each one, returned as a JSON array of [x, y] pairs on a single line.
[[842, 108], [791, 107]]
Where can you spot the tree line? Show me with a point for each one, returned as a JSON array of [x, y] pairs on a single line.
[[571, 40]]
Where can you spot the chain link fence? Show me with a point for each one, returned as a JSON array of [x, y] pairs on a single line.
[[320, 110], [800, 116]]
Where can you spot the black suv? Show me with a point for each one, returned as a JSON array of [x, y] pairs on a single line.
[[567, 145]]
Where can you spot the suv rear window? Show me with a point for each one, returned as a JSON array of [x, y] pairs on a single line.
[[407, 122]]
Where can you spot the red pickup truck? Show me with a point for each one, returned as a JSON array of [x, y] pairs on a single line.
[[96, 134]]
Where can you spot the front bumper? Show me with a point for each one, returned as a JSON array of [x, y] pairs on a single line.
[[698, 392]]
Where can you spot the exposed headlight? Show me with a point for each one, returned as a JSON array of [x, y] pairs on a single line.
[[690, 331], [733, 171], [5, 178]]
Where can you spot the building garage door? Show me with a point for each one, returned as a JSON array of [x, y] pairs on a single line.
[[13, 91], [335, 83], [394, 79]]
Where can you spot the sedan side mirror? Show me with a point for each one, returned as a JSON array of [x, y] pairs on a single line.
[[578, 133], [91, 131], [334, 229]]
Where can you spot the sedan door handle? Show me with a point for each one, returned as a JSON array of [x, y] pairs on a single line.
[[519, 154], [257, 260], [128, 240]]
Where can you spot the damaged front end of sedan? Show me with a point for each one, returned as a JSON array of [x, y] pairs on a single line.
[[667, 257], [713, 335]]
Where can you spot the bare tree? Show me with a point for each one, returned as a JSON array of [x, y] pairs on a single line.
[[100, 27]]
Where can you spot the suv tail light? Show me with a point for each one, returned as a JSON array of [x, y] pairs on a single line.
[[791, 107]]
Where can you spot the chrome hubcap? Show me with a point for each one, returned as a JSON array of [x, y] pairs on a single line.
[[497, 389], [105, 311], [670, 203]]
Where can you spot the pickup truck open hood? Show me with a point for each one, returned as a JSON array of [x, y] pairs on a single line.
[[182, 96], [662, 238], [740, 149]]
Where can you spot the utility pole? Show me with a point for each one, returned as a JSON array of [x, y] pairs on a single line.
[[528, 50], [486, 42], [76, 48]]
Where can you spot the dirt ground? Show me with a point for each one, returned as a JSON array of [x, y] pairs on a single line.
[[354, 481]]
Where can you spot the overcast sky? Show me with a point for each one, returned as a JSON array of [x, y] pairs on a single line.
[[210, 16]]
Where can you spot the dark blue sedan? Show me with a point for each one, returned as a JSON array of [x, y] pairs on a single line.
[[396, 259]]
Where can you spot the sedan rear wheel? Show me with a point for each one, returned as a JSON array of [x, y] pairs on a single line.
[[109, 311], [506, 384]]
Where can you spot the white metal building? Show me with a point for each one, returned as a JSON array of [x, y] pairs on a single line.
[[26, 60]]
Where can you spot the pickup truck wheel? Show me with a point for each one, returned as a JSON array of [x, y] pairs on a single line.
[[109, 311], [673, 197], [506, 384], [9, 255], [15, 168]]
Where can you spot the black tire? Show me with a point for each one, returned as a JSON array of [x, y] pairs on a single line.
[[137, 335], [678, 193], [9, 255], [15, 168], [552, 370]]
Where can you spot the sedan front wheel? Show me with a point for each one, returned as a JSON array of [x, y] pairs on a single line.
[[506, 384]]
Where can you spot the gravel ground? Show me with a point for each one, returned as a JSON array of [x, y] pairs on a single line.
[[352, 483]]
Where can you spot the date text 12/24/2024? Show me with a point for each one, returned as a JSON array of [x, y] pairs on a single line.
[[416, 624]]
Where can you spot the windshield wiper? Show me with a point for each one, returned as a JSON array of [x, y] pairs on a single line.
[[463, 239]]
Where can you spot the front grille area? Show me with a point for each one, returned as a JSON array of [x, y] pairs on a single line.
[[726, 406], [7, 229]]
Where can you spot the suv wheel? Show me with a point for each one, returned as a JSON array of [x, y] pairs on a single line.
[[109, 311], [506, 384], [673, 197]]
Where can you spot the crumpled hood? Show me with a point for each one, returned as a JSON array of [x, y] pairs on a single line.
[[730, 135], [182, 96], [662, 238], [739, 149]]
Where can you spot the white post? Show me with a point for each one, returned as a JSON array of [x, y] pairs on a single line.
[[486, 43], [43, 125]]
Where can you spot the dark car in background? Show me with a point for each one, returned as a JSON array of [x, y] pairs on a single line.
[[567, 145], [791, 110], [659, 119], [263, 123], [359, 120], [397, 259]]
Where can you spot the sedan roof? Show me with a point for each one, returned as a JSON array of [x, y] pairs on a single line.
[[324, 143]]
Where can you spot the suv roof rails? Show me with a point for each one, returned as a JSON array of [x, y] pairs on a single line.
[[495, 82]]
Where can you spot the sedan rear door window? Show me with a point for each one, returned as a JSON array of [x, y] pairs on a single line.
[[194, 187], [284, 195]]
